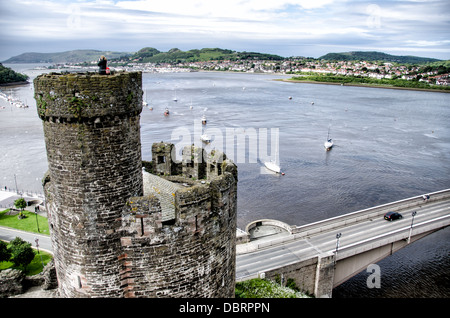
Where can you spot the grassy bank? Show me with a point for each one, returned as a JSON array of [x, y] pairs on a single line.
[[368, 82], [29, 223], [263, 288]]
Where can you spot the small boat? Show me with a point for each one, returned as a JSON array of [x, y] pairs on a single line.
[[204, 120], [205, 138], [329, 143], [144, 103], [272, 166], [166, 112]]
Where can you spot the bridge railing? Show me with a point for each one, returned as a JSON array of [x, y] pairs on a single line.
[[365, 214], [392, 236]]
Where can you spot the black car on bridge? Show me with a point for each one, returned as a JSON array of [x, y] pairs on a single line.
[[391, 216]]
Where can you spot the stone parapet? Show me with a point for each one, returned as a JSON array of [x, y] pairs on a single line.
[[88, 96]]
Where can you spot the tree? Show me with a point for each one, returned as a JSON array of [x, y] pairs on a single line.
[[5, 253], [21, 204], [21, 252], [7, 75]]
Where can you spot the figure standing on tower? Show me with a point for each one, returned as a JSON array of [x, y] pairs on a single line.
[[102, 65]]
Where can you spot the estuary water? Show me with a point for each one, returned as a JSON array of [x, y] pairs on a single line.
[[388, 145]]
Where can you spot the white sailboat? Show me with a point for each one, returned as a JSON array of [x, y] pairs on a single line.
[[272, 166], [205, 138], [329, 143]]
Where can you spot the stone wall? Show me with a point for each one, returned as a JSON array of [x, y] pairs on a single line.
[[11, 282], [193, 256], [303, 273]]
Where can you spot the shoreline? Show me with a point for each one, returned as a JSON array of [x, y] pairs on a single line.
[[15, 83], [366, 85]]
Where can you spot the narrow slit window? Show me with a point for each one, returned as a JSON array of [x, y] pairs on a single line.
[[161, 159]]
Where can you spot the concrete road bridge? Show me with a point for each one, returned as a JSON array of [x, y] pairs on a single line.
[[322, 255]]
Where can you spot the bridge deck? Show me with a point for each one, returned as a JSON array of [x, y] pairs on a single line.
[[258, 256]]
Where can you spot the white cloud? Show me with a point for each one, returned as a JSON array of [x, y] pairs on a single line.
[[238, 9], [344, 23]]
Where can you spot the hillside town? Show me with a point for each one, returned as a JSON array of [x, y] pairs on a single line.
[[305, 66], [300, 65]]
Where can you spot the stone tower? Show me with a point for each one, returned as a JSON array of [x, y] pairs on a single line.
[[116, 230], [92, 135]]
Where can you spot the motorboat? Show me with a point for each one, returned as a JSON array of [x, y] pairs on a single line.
[[166, 112], [204, 120]]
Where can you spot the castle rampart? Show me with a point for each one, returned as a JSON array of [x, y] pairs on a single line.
[[111, 236]]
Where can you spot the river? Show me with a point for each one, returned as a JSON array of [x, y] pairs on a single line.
[[388, 145]]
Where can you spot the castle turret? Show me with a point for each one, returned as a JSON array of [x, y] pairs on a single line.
[[116, 230], [92, 136]]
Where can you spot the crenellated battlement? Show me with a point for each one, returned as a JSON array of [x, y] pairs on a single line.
[[71, 97]]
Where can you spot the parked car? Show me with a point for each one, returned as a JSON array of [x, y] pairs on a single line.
[[391, 216]]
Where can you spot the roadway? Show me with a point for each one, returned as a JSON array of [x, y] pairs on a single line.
[[249, 264], [8, 234]]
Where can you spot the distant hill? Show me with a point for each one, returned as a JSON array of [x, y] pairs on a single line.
[[152, 55], [376, 56], [75, 56]]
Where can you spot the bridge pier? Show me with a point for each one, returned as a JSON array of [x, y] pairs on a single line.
[[323, 285], [314, 276]]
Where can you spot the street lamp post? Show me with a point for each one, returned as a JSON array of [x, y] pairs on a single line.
[[412, 222], [37, 223], [37, 246], [15, 182], [338, 236]]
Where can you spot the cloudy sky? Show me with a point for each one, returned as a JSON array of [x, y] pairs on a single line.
[[286, 27]]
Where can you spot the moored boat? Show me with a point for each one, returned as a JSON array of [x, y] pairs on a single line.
[[272, 166], [205, 138]]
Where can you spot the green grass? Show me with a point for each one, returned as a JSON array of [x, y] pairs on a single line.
[[35, 267], [27, 224], [342, 79]]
